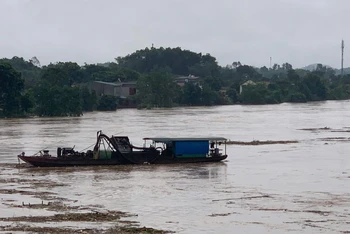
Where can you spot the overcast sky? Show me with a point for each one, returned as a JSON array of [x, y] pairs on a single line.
[[300, 32]]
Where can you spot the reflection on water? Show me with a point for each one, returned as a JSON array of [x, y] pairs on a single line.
[[259, 189]]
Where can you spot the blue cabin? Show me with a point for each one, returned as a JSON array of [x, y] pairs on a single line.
[[189, 147]]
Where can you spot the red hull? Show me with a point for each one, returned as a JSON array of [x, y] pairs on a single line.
[[40, 161]]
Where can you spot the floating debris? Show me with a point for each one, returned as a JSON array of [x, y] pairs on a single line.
[[216, 215], [87, 217], [255, 142], [315, 129], [254, 197], [324, 213], [109, 216], [30, 187], [344, 129], [248, 198], [58, 230], [335, 139]]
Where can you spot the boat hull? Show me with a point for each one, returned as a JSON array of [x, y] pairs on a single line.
[[40, 161]]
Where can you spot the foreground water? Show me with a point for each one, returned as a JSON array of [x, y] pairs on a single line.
[[294, 188]]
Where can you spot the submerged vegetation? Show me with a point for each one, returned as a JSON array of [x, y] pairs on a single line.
[[60, 89], [64, 216], [255, 142]]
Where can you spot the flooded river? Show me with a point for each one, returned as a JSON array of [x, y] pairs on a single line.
[[282, 188]]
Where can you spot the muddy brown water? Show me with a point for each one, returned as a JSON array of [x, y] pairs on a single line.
[[280, 188]]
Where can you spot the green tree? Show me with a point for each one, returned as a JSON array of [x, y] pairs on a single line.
[[55, 76], [340, 92], [107, 103], [228, 74], [27, 101], [287, 66], [247, 72], [213, 83], [156, 90], [181, 62], [258, 94], [264, 69], [297, 97], [316, 85], [89, 99], [29, 69], [233, 92], [53, 100], [276, 67], [293, 76], [209, 96], [10, 91], [63, 73], [192, 94], [251, 96]]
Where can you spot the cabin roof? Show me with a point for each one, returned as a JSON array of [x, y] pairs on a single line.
[[105, 83], [117, 84], [171, 139]]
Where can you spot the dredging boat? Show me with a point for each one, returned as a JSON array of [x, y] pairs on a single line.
[[117, 150]]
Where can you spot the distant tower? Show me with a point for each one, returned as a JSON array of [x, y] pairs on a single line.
[[270, 62], [342, 57], [35, 61]]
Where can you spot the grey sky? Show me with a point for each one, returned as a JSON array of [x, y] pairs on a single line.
[[300, 32]]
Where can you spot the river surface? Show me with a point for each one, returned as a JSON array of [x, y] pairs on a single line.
[[282, 188]]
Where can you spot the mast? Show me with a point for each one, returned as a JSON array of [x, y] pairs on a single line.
[[342, 58]]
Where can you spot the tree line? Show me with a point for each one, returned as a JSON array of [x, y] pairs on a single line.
[[58, 88]]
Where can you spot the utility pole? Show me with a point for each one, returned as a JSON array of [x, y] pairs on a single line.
[[342, 58]]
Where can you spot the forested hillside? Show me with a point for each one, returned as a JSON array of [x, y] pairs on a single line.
[[57, 89]]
